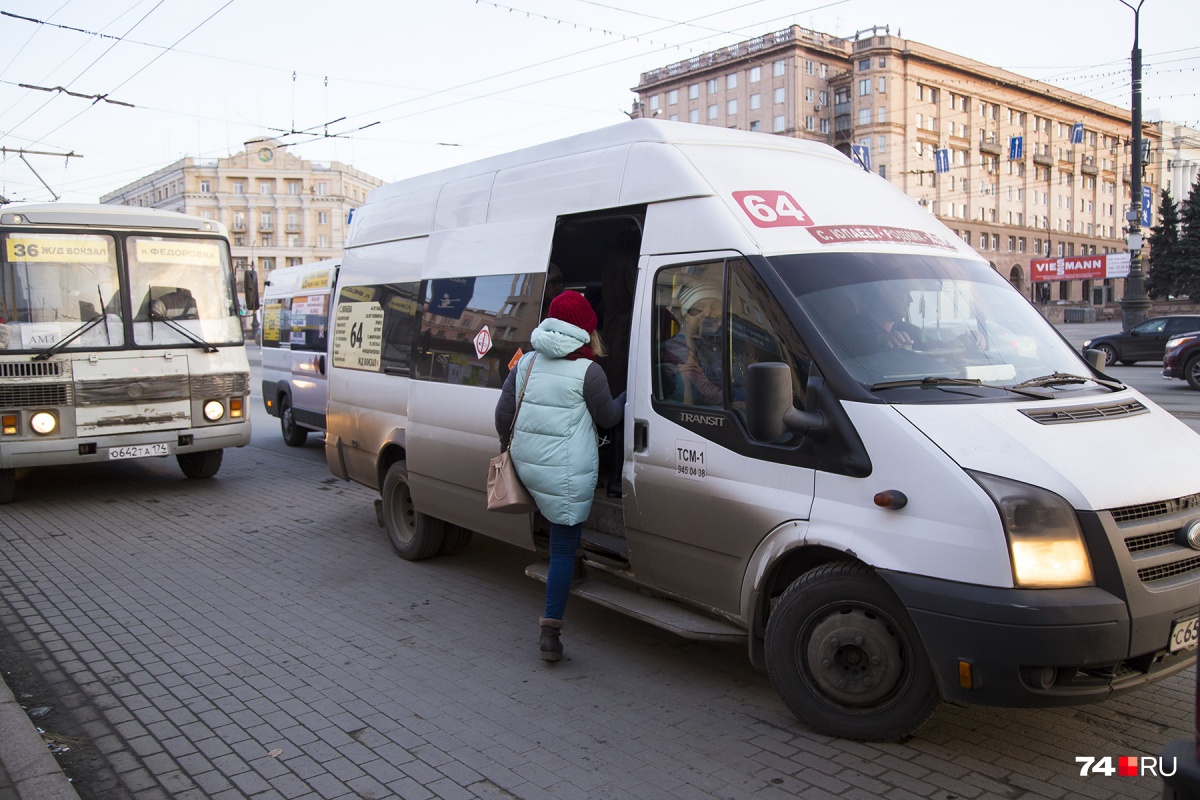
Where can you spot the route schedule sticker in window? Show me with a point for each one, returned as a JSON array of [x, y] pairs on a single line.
[[358, 336]]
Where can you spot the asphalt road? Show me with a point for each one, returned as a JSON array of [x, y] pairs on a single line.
[[254, 636]]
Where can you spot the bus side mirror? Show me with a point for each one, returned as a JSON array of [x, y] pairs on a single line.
[[769, 410], [1095, 359], [251, 283]]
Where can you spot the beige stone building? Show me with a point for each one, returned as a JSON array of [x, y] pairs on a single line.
[[1064, 192], [281, 210]]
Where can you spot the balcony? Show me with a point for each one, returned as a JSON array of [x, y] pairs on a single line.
[[293, 227], [238, 224], [1043, 160], [266, 226], [991, 148]]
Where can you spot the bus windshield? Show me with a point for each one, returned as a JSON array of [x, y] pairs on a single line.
[[63, 291], [901, 324]]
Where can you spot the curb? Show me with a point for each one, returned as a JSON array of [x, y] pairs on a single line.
[[30, 767]]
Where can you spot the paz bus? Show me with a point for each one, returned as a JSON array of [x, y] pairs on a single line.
[[119, 339]]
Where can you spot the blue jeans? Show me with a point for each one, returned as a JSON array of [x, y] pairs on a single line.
[[564, 541]]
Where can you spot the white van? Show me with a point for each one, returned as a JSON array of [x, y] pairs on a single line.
[[972, 513], [294, 341]]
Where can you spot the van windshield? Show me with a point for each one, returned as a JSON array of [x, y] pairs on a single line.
[[908, 323]]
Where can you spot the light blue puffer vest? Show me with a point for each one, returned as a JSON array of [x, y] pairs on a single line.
[[554, 441]]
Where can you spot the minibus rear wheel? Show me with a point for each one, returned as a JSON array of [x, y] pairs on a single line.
[[293, 434], [415, 536], [845, 657]]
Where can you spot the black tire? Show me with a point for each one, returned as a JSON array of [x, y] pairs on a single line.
[[414, 536], [456, 540], [200, 465], [845, 657], [1191, 372], [1110, 353], [8, 485], [293, 434], [1127, 362]]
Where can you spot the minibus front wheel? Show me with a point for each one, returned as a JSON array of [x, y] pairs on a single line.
[[415, 536], [845, 657]]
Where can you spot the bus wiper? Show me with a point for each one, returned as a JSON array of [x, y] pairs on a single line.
[[70, 337], [1061, 378], [175, 326], [927, 381]]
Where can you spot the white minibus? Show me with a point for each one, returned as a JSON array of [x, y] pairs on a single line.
[[294, 333], [898, 483], [119, 338]]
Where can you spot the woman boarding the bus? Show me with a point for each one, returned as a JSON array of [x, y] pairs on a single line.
[[566, 399]]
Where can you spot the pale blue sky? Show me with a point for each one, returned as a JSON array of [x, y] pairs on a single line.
[[455, 80]]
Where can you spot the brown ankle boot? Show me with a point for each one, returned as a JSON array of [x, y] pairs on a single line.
[[550, 647]]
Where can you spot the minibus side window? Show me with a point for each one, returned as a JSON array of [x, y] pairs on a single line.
[[275, 314], [473, 329], [760, 332], [374, 327], [689, 333]]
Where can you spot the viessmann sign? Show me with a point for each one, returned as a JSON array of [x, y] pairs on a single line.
[[1110, 265]]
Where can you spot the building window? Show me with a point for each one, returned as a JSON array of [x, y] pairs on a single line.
[[322, 188], [239, 221], [780, 94], [712, 85], [882, 63], [754, 125], [810, 123], [267, 240], [883, 85], [731, 107], [712, 111], [883, 171], [694, 115], [731, 80], [864, 116], [323, 240], [322, 217], [1021, 245], [780, 124], [653, 102], [265, 220], [864, 87], [864, 65], [239, 187], [293, 221], [674, 118], [293, 188], [293, 240], [881, 114], [824, 125], [810, 95], [266, 187], [983, 241], [882, 147], [1012, 243], [673, 97], [693, 91], [755, 101], [205, 187], [824, 70], [810, 67], [779, 68], [755, 74]]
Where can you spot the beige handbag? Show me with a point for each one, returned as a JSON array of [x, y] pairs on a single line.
[[505, 492]]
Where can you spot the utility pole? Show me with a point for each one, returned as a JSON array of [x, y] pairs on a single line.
[[1135, 305]]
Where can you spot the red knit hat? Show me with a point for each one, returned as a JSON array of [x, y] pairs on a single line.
[[574, 308]]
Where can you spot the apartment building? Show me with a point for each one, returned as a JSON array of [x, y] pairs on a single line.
[[1019, 169], [281, 210]]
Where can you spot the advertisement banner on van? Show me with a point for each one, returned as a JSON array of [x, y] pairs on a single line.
[[1071, 268]]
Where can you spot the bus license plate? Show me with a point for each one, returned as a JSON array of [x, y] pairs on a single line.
[[1184, 634], [146, 450]]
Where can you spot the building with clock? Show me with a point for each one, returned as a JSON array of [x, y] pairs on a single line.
[[281, 210]]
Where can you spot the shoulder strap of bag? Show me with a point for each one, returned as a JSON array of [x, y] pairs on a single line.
[[513, 425]]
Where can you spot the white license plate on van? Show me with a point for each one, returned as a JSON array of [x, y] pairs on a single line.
[[144, 451], [1184, 634]]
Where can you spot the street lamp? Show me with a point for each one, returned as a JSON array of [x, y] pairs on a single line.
[[1135, 305]]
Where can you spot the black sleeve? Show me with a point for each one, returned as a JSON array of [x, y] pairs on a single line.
[[505, 408], [606, 410]]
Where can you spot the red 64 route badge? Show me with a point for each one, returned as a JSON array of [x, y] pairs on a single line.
[[772, 209]]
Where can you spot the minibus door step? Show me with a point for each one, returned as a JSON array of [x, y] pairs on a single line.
[[678, 619]]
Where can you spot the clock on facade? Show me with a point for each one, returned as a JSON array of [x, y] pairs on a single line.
[[265, 154]]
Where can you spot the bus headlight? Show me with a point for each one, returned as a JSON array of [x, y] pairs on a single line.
[[43, 422], [1044, 538], [214, 410]]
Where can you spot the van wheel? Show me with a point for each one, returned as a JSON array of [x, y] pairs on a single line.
[[846, 659], [456, 540], [1192, 372], [293, 434], [1110, 354], [200, 465], [8, 485], [415, 536]]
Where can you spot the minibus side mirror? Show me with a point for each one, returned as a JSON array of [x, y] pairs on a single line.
[[1095, 359], [769, 410], [251, 282]]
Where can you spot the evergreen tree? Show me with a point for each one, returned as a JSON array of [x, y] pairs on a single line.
[[1188, 282], [1162, 272]]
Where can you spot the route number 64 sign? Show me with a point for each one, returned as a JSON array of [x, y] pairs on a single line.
[[772, 209]]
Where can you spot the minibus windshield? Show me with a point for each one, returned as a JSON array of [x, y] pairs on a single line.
[[912, 323]]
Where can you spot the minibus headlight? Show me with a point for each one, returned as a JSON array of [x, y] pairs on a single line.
[[1044, 538], [213, 410], [43, 422]]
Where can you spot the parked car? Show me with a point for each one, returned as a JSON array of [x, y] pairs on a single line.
[[1146, 341], [1182, 359]]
